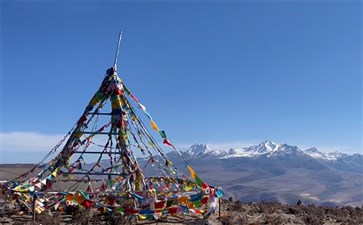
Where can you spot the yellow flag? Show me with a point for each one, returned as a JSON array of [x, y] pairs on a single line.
[[39, 209], [184, 200], [153, 125], [54, 174], [142, 217], [192, 173], [116, 103], [94, 101]]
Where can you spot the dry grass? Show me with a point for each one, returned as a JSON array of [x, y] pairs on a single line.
[[233, 213], [279, 214]]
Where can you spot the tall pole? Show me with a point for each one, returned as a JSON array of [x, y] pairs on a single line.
[[33, 206], [117, 51], [219, 209]]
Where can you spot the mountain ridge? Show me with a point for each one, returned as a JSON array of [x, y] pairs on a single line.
[[281, 172], [267, 147], [273, 172]]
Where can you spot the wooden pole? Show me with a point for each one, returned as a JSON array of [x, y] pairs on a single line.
[[33, 206], [219, 209]]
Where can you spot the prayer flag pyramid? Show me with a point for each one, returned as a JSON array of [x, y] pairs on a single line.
[[111, 134]]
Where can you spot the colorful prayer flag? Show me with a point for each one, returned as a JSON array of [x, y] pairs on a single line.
[[153, 125]]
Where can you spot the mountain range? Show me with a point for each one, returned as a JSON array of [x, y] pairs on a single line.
[[279, 172], [274, 172]]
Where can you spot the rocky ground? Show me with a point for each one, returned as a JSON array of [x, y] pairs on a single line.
[[276, 213], [231, 213]]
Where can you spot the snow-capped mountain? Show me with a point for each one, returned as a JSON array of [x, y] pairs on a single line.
[[265, 149], [274, 172], [315, 153], [280, 172], [202, 149]]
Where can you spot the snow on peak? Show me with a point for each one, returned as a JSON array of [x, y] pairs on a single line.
[[199, 149], [312, 150], [267, 148], [335, 155], [315, 153]]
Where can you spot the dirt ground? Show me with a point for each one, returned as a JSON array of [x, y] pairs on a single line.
[[232, 213]]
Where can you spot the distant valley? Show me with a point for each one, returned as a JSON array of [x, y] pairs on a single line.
[[279, 172]]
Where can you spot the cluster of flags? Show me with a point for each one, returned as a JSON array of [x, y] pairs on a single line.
[[112, 88]]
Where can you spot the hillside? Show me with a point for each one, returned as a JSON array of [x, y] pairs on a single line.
[[265, 172], [278, 173]]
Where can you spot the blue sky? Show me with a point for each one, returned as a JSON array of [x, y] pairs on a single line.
[[225, 74]]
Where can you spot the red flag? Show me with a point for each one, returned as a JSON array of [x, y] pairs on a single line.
[[172, 210], [204, 185], [204, 200], [159, 205], [166, 141], [87, 204], [134, 97], [103, 187]]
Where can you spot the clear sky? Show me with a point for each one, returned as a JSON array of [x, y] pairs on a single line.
[[226, 74]]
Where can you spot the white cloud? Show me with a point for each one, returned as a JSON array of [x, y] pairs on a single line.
[[28, 141]]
